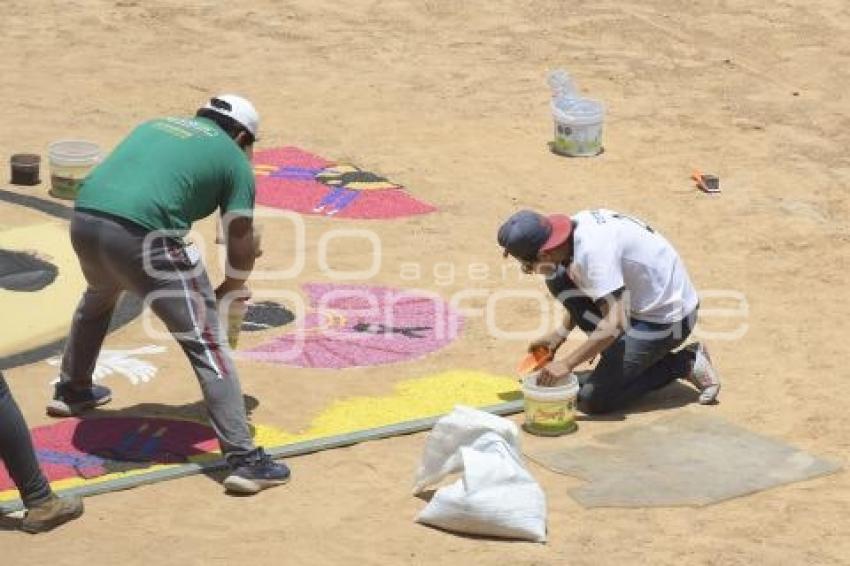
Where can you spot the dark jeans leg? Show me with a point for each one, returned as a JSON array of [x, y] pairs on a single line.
[[639, 361], [17, 452]]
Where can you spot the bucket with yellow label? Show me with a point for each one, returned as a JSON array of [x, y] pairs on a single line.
[[550, 411]]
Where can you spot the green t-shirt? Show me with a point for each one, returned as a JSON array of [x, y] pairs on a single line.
[[170, 172]]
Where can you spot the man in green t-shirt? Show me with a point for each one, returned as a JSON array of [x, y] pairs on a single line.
[[128, 226]]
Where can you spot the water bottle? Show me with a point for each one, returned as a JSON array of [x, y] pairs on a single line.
[[562, 87]]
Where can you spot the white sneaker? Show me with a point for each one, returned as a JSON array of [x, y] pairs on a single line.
[[703, 374]]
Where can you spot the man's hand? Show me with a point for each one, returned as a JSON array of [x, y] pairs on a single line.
[[238, 288], [551, 342], [554, 372]]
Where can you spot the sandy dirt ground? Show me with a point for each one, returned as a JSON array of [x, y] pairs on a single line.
[[449, 98]]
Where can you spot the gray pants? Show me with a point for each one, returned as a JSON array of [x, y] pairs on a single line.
[[117, 255], [17, 452]]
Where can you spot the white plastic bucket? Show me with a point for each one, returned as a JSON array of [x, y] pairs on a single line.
[[578, 126], [550, 411], [70, 161]]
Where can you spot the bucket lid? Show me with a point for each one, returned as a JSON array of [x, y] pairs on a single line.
[[73, 151], [25, 159], [579, 111]]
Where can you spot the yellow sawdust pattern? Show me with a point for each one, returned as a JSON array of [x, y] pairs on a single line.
[[33, 323], [412, 399]]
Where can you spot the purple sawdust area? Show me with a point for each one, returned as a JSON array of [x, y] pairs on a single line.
[[357, 326]]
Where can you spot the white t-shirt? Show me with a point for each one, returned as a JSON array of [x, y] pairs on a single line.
[[613, 251]]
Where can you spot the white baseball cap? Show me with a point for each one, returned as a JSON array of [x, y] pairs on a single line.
[[237, 108]]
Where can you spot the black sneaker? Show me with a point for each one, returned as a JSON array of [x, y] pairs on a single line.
[[254, 472], [68, 401]]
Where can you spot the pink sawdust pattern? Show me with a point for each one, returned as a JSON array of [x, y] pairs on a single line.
[[355, 326], [90, 448], [289, 178]]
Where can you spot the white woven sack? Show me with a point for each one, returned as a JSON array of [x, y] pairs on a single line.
[[459, 428], [495, 497]]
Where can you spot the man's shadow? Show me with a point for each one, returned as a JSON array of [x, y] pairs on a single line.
[[194, 411], [139, 448], [11, 522], [672, 396]]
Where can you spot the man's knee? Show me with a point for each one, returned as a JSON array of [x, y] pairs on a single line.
[[595, 401]]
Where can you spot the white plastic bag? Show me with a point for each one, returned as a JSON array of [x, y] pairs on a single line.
[[496, 495], [459, 428]]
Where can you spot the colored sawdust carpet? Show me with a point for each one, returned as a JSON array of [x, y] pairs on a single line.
[[292, 179], [684, 459], [75, 451], [96, 455], [38, 267], [411, 399], [81, 453], [355, 325]]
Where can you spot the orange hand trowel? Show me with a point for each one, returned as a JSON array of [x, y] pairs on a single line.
[[706, 183], [536, 359]]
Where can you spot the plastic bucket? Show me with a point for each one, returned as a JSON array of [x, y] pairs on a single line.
[[25, 169], [578, 127], [550, 411], [70, 161]]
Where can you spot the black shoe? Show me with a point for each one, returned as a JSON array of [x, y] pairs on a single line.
[[68, 401], [254, 472]]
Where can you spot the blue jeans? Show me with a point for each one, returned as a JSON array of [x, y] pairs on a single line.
[[639, 361], [17, 452]]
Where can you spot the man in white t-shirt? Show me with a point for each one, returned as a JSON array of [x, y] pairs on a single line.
[[624, 285]]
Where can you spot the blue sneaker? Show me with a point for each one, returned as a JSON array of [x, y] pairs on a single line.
[[68, 401], [255, 472]]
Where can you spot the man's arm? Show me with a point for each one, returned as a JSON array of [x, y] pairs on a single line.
[[613, 324], [556, 338], [242, 251]]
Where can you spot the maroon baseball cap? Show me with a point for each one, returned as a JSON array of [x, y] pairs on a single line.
[[526, 233]]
